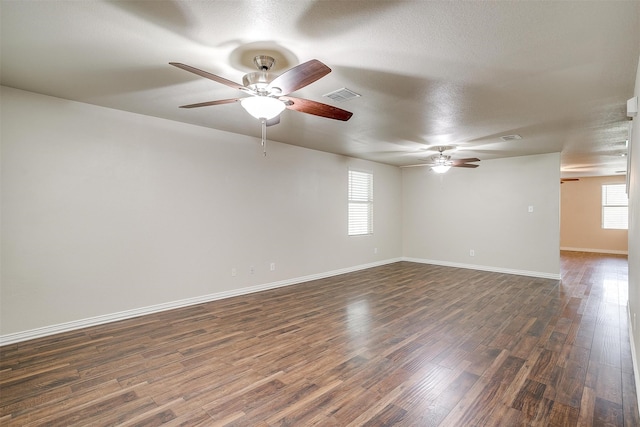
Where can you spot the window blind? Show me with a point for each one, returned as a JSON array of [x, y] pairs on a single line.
[[615, 207], [360, 203]]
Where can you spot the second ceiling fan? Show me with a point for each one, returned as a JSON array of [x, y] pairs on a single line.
[[442, 163]]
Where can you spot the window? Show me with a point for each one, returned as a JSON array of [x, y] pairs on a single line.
[[360, 203], [615, 207]]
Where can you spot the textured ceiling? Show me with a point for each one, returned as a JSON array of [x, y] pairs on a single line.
[[430, 73]]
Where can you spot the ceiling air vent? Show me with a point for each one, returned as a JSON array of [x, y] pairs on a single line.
[[341, 95], [513, 137]]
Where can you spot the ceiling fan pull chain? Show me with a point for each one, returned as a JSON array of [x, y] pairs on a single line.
[[264, 135]]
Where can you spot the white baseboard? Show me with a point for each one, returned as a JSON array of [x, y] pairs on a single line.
[[634, 356], [539, 274], [128, 314], [597, 251]]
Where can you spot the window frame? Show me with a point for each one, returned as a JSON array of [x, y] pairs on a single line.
[[353, 201], [608, 205]]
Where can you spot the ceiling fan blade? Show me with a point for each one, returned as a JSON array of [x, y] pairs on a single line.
[[459, 161], [316, 108], [300, 76], [209, 76], [273, 121], [464, 165], [208, 103], [568, 179], [418, 165]]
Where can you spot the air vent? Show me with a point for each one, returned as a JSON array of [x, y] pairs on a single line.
[[342, 95], [513, 137]]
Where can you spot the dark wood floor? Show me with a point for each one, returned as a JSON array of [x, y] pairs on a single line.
[[403, 344]]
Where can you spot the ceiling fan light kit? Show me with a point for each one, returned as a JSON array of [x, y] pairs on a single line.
[[440, 168], [262, 107]]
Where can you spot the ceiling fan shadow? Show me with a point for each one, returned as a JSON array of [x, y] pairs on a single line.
[[169, 14], [133, 80], [322, 18], [486, 154], [405, 101], [537, 128]]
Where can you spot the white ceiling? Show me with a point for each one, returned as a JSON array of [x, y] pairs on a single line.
[[430, 72]]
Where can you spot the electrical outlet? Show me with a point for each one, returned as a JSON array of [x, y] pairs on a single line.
[[530, 209], [272, 266], [472, 252], [252, 269], [234, 272], [375, 250]]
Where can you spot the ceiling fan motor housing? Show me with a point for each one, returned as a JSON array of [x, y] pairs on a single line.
[[442, 160], [258, 81]]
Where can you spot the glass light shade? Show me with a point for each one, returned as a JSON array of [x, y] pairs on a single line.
[[440, 168], [262, 107]]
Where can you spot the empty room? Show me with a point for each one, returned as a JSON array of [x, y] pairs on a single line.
[[332, 213]]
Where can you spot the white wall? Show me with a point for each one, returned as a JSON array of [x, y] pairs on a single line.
[[634, 238], [581, 217], [105, 211], [486, 209]]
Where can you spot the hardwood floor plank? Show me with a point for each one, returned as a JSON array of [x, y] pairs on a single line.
[[427, 385], [563, 415], [389, 416], [629, 403], [542, 370], [587, 407], [67, 412], [449, 398], [570, 387], [302, 401], [606, 413], [609, 383], [402, 344]]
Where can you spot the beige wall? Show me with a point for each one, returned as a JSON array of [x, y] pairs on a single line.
[[581, 217], [487, 210]]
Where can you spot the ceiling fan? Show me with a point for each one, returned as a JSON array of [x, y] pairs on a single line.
[[442, 163], [563, 180], [269, 92]]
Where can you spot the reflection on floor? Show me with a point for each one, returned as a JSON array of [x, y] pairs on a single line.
[[402, 344]]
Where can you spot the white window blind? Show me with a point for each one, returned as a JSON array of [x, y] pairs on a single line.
[[360, 203], [615, 207]]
